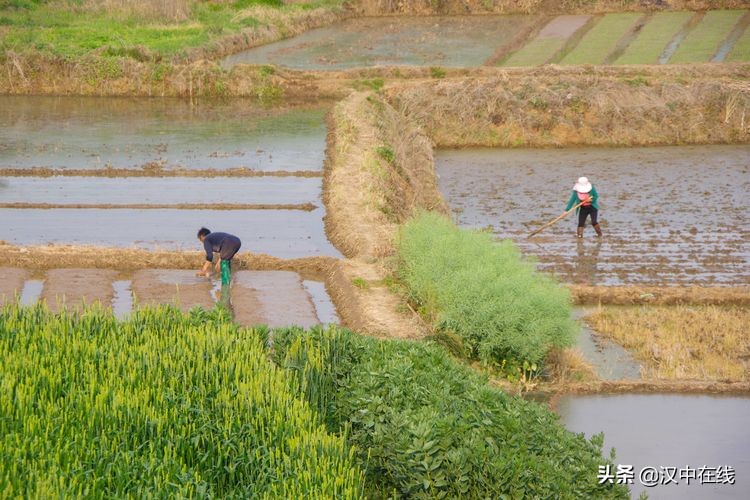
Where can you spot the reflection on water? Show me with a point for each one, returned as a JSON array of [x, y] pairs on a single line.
[[669, 430]]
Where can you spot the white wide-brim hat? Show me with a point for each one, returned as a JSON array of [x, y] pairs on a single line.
[[583, 185]]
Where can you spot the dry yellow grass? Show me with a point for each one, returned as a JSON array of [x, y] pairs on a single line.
[[682, 342]]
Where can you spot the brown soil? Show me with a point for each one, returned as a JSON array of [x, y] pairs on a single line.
[[168, 286], [631, 295], [74, 288], [307, 207], [150, 172], [51, 257], [273, 298], [368, 306], [366, 193], [11, 283]]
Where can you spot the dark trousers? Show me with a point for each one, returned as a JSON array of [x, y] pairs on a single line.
[[584, 212], [229, 247]]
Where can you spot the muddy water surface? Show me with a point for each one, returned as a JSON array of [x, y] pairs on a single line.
[[213, 190], [611, 361], [387, 41], [272, 298], [671, 215], [95, 132], [677, 431], [281, 233]]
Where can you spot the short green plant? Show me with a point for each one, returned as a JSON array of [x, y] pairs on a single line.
[[163, 405], [429, 427], [437, 72], [386, 153], [374, 84], [360, 283], [482, 290]]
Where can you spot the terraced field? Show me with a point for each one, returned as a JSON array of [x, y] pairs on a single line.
[[135, 173], [620, 38]]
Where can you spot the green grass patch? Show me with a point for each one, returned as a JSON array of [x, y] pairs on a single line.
[[163, 405], [704, 40], [601, 40], [741, 49], [67, 28], [536, 52], [466, 283], [654, 37], [429, 427], [374, 84]]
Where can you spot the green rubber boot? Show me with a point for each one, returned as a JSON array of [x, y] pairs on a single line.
[[226, 271]]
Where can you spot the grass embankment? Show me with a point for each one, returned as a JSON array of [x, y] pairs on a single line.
[[379, 171], [582, 106], [482, 297], [139, 29], [429, 427], [109, 47], [162, 405], [682, 342]]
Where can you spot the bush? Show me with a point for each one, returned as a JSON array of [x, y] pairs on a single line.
[[429, 427], [469, 285], [163, 405]]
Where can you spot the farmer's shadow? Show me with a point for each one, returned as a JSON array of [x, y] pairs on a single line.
[[587, 260]]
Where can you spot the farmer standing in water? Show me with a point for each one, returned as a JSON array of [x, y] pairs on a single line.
[[226, 245], [585, 193]]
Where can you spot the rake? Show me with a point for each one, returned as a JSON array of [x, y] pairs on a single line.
[[558, 218]]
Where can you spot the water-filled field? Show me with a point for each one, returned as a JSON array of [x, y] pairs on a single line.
[[670, 215], [670, 431], [619, 38]]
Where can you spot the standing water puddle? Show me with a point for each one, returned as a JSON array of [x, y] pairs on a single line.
[[324, 307], [610, 360], [31, 292], [659, 224], [122, 302], [670, 431]]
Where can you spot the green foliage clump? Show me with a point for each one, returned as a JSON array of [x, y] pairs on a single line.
[[507, 314], [429, 427], [162, 405]]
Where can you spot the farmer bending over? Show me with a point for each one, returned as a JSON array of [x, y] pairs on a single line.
[[226, 244], [585, 193]]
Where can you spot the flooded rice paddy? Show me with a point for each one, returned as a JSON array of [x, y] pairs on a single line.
[[670, 215], [610, 360], [148, 190], [272, 298], [96, 132], [463, 41], [390, 41], [281, 233], [669, 431]]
